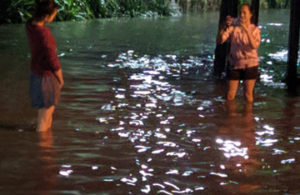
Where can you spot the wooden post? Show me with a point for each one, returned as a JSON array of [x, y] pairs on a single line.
[[228, 7], [291, 77], [255, 11]]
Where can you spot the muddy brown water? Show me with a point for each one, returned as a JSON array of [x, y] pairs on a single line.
[[141, 113]]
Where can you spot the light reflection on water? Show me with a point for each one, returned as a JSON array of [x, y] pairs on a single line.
[[148, 118], [146, 85]]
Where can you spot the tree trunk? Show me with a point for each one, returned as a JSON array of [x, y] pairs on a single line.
[[228, 7], [293, 45], [272, 3], [255, 10]]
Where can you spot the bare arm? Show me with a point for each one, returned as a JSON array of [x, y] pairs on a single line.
[[58, 74], [254, 39], [225, 34]]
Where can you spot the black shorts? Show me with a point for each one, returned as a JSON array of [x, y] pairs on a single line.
[[243, 74]]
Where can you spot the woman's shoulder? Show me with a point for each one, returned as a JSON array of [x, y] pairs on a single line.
[[254, 27], [39, 29], [44, 31]]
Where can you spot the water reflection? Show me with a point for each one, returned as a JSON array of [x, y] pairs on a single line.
[[141, 114], [238, 145], [47, 155], [141, 111]]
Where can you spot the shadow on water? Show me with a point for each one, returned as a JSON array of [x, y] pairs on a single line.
[[141, 114]]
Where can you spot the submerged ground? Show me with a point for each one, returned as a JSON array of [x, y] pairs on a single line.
[[142, 114]]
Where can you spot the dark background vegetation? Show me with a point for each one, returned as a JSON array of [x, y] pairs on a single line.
[[18, 11]]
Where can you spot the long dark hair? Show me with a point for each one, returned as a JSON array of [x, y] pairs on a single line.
[[44, 8]]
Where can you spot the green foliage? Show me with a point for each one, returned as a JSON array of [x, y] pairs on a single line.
[[200, 5], [103, 9], [277, 3], [73, 10], [17, 11], [159, 6], [132, 7], [244, 1], [270, 3]]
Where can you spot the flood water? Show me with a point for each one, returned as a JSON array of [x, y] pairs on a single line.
[[142, 114]]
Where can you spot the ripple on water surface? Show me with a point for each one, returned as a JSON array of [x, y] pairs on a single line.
[[180, 138]]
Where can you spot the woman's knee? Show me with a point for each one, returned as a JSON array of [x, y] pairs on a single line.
[[230, 95], [249, 96]]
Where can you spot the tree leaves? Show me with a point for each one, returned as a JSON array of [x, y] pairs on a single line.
[[17, 11]]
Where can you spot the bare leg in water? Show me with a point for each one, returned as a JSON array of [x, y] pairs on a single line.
[[232, 89], [248, 90], [44, 120]]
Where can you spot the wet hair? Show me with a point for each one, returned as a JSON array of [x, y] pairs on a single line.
[[44, 8]]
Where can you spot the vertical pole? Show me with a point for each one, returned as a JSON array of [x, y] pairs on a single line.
[[255, 11], [291, 78], [228, 7]]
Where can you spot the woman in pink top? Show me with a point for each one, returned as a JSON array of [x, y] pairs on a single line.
[[46, 78], [243, 58]]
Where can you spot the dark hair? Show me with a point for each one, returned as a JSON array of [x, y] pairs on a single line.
[[44, 8], [247, 5]]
